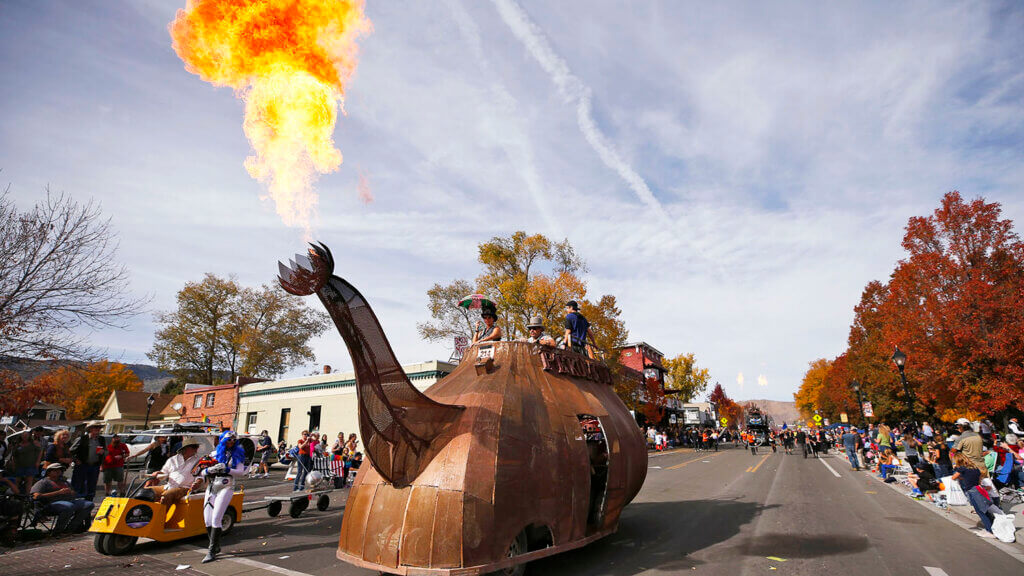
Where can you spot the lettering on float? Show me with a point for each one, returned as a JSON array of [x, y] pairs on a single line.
[[574, 364]]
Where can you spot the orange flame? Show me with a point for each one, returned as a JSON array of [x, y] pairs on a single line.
[[289, 60]]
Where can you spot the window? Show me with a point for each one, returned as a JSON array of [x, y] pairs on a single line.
[[209, 400], [314, 418], [250, 422], [198, 402], [282, 431], [53, 415]]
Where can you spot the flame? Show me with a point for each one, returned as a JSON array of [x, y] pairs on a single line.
[[363, 187], [289, 61]]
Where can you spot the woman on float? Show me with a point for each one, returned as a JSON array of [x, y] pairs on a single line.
[[220, 483]]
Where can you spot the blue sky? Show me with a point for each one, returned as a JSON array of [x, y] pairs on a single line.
[[733, 173]]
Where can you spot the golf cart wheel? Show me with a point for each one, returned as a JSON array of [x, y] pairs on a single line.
[[118, 544], [298, 507], [323, 502], [516, 548], [228, 521], [274, 508], [100, 543]]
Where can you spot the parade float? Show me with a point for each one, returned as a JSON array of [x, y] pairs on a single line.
[[522, 452]]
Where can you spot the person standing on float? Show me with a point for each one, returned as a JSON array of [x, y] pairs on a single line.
[[220, 487]]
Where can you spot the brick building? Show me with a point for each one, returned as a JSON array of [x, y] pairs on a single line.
[[642, 361], [200, 403]]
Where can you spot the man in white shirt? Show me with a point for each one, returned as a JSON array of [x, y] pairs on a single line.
[[1015, 428], [176, 473]]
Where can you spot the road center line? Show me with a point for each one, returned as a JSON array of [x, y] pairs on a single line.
[[754, 468], [934, 571], [833, 471], [680, 465]]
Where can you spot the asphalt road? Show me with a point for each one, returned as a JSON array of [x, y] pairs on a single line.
[[722, 513]]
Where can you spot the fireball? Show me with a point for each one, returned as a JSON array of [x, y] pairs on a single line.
[[289, 61]]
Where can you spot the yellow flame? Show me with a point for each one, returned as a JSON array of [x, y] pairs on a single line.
[[289, 60]]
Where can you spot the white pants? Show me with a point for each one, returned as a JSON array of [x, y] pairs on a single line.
[[219, 490]]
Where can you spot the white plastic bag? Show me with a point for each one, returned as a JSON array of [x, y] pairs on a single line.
[[954, 493], [1004, 529]]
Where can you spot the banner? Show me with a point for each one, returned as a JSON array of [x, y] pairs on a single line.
[[867, 410]]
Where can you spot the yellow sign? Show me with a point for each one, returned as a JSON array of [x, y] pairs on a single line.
[[817, 418], [724, 420], [843, 418]]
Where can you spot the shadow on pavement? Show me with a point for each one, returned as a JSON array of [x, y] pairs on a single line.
[[791, 545], [656, 536]]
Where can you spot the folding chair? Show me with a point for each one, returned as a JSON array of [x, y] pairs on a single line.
[[37, 519]]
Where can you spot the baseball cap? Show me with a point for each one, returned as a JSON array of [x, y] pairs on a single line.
[[963, 422]]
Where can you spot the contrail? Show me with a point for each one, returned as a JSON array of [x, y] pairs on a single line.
[[515, 144], [574, 91]]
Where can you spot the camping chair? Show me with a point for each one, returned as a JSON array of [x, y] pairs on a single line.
[[1001, 477], [37, 521]]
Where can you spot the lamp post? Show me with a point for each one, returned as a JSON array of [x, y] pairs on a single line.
[[860, 403], [149, 406], [901, 359]]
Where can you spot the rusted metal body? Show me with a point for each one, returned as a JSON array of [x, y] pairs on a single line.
[[521, 450]]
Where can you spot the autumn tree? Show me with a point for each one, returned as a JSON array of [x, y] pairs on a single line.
[[684, 378], [727, 407], [59, 278], [83, 389], [17, 395], [807, 397], [221, 329]]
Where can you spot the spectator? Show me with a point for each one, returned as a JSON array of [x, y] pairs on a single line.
[[969, 443], [305, 461], [884, 438], [159, 451], [850, 440], [927, 433], [969, 476], [939, 457], [265, 448], [924, 481], [25, 458], [910, 448], [58, 452], [338, 448], [113, 464], [352, 445], [1015, 428], [4, 450], [88, 451], [59, 498], [886, 463]]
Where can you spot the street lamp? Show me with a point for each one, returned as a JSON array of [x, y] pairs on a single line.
[[860, 403], [901, 359], [149, 406]]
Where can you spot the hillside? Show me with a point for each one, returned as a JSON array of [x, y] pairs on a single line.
[[779, 411], [153, 378]]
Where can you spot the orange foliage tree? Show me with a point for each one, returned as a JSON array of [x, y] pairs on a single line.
[[17, 395], [727, 407], [955, 306], [82, 390]]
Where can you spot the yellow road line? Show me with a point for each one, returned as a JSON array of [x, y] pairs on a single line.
[[689, 462], [754, 469]]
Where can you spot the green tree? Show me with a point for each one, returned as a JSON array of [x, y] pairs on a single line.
[[684, 378], [221, 330]]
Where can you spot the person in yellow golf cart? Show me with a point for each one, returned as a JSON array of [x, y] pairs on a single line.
[[176, 474]]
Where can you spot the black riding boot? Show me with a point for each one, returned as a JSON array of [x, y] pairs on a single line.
[[214, 549]]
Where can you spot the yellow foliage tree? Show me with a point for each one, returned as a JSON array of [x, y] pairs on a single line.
[[807, 397], [686, 379], [82, 390]]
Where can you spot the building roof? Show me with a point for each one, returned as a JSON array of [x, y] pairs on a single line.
[[203, 388], [168, 410], [644, 344], [134, 403]]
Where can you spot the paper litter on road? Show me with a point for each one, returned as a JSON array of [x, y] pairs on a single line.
[[283, 557], [775, 558], [183, 566]]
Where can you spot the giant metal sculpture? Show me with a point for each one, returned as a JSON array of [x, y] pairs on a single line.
[[521, 452]]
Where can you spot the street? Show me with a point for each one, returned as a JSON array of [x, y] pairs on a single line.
[[720, 513]]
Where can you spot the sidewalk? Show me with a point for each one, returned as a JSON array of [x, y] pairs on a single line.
[[963, 516]]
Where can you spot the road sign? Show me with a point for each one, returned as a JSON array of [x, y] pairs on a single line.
[[868, 411], [724, 420], [817, 418]]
